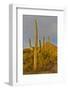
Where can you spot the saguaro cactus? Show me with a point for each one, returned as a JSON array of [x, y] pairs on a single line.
[[30, 43], [40, 44], [49, 39], [36, 44], [44, 42]]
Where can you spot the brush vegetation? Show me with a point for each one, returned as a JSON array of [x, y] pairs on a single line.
[[46, 59]]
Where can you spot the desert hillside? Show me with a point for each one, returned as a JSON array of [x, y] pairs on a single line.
[[46, 59]]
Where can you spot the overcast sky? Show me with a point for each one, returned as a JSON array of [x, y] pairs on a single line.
[[47, 26]]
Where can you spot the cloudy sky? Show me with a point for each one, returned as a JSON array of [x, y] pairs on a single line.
[[47, 26]]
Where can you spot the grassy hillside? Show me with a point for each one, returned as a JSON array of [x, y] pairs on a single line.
[[46, 59]]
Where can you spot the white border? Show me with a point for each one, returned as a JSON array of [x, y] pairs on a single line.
[[12, 44], [17, 76]]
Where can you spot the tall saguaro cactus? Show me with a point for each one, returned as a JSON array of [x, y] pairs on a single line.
[[36, 44]]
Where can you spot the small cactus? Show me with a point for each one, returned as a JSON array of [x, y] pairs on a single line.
[[30, 43], [43, 41], [49, 39], [40, 44]]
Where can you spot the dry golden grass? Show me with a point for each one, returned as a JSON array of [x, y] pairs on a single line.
[[46, 60]]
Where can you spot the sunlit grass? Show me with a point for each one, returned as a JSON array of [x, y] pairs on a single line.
[[46, 59]]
